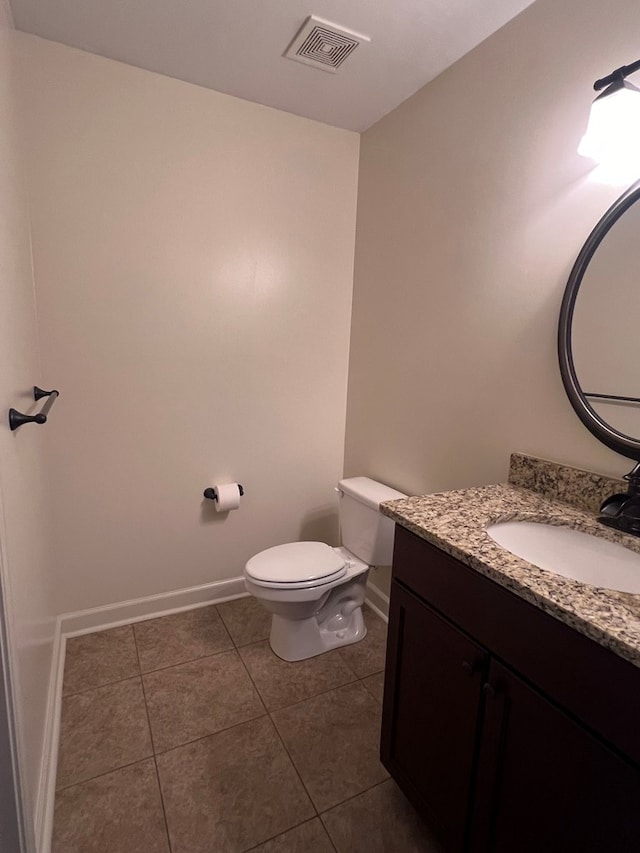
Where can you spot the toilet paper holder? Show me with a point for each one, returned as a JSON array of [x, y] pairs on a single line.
[[210, 494]]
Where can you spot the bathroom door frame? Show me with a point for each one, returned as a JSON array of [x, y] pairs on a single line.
[[12, 835]]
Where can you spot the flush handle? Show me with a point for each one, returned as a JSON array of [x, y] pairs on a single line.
[[489, 690]]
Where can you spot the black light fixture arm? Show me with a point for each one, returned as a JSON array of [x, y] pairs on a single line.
[[617, 75]]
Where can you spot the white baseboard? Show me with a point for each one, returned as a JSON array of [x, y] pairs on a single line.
[[138, 609], [99, 619], [47, 785], [378, 601]]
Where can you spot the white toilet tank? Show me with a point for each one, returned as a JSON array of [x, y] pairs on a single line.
[[364, 530]]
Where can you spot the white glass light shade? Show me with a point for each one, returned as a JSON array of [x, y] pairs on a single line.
[[613, 132]]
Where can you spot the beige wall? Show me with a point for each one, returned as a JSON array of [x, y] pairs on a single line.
[[194, 262], [193, 257], [472, 207], [25, 585]]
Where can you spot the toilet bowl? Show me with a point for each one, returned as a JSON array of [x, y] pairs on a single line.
[[315, 592]]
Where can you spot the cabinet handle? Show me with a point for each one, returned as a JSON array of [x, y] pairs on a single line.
[[468, 668], [489, 690]]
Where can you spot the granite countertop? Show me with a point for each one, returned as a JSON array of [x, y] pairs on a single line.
[[456, 523]]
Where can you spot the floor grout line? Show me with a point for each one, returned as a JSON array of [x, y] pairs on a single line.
[[210, 734], [284, 746], [106, 773], [101, 685], [142, 673], [153, 747], [368, 689], [324, 693], [355, 796], [291, 828], [189, 660], [234, 647], [313, 696], [105, 683], [348, 799], [162, 752], [266, 712]]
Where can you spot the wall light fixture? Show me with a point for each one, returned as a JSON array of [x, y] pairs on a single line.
[[613, 132]]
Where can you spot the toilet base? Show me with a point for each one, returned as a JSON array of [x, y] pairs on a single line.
[[299, 639]]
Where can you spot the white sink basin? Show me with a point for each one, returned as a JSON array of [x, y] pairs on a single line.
[[570, 553]]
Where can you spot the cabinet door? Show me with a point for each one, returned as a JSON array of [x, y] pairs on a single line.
[[432, 694], [545, 783]]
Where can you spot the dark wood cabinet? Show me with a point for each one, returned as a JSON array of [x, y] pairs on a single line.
[[435, 713], [499, 735], [544, 782]]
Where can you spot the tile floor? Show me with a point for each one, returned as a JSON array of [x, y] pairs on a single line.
[[186, 734]]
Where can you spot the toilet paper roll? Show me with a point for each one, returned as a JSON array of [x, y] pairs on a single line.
[[227, 497]]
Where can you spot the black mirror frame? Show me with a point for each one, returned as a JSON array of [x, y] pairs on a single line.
[[618, 441]]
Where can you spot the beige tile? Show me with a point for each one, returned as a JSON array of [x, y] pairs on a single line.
[[311, 837], [375, 685], [101, 658], [198, 698], [281, 683], [101, 730], [368, 656], [180, 637], [231, 791], [120, 812], [333, 740], [246, 620], [378, 821]]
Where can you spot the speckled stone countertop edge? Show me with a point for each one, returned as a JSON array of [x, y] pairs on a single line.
[[456, 522]]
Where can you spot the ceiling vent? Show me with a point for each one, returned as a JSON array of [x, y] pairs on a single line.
[[323, 45]]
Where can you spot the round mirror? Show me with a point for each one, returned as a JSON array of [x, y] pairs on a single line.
[[598, 341]]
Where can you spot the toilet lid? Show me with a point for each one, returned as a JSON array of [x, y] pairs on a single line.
[[295, 563]]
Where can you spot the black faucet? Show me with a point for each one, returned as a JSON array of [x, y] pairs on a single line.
[[622, 511]]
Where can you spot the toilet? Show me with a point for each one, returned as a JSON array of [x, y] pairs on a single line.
[[316, 592]]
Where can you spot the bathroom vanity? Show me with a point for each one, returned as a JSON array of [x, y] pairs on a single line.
[[512, 697]]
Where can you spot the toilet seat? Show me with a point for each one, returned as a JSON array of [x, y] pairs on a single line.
[[296, 565]]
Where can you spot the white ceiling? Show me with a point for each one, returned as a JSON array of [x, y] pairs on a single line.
[[236, 46]]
